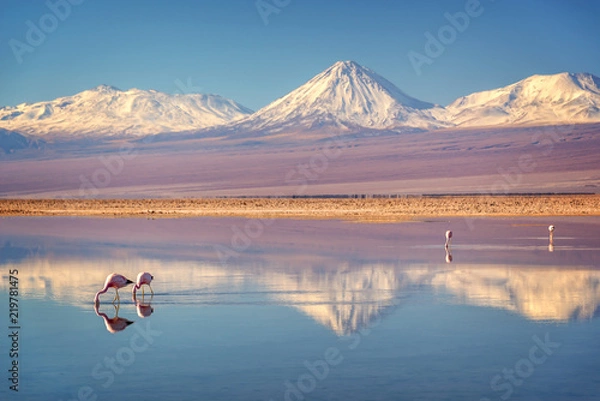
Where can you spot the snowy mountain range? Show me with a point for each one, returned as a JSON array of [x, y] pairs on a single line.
[[540, 99], [345, 97], [107, 111]]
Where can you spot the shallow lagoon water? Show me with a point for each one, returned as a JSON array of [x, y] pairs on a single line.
[[314, 310]]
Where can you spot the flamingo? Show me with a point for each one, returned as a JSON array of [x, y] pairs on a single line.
[[142, 278], [551, 235], [113, 324], [448, 238], [115, 281]]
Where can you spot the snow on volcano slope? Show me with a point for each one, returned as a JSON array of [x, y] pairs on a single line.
[[106, 111], [346, 95], [539, 99]]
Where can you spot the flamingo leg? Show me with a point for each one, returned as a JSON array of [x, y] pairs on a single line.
[[151, 289], [117, 297]]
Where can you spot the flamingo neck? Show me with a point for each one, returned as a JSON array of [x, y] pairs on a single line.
[[102, 291]]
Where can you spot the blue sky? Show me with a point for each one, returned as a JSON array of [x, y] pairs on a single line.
[[224, 46]]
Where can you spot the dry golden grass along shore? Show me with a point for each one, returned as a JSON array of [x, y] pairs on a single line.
[[369, 209]]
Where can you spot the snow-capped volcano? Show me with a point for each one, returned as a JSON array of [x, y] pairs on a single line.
[[108, 111], [346, 95], [539, 99]]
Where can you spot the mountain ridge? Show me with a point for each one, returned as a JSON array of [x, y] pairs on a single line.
[[346, 97], [108, 111], [539, 99]]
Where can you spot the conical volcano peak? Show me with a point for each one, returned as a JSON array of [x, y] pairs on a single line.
[[347, 63], [346, 66], [351, 70], [345, 95], [350, 78]]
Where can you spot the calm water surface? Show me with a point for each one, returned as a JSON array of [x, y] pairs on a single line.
[[303, 310]]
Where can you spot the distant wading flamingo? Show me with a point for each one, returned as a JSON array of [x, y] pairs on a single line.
[[115, 281], [551, 238], [143, 278], [448, 238]]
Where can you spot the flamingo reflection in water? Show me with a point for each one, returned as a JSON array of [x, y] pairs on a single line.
[[448, 255], [115, 323], [144, 309], [447, 246]]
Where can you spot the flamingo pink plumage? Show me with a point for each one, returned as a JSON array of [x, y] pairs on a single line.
[[115, 281], [143, 278]]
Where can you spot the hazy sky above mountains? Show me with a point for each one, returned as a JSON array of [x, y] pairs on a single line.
[[225, 47]]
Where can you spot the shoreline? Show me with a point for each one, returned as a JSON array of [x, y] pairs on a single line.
[[352, 209]]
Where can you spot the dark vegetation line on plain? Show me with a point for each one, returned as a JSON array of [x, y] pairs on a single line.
[[317, 196], [399, 196]]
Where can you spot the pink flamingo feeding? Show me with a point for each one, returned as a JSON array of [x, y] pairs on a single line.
[[143, 278], [115, 281]]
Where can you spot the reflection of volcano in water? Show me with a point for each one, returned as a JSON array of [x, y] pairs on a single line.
[[343, 298]]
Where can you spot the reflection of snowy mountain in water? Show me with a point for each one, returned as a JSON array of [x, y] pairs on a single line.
[[343, 299], [536, 293]]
